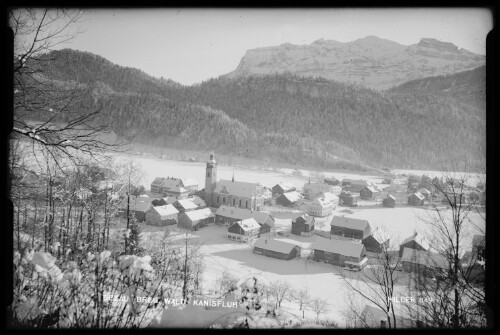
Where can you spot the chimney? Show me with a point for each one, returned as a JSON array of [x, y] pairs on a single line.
[[382, 323]]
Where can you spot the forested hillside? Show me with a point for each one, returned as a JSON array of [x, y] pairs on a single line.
[[310, 122]]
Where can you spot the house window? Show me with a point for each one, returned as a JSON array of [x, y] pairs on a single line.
[[246, 204], [234, 202], [223, 200], [240, 202]]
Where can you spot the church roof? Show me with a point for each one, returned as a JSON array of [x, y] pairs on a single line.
[[237, 188]]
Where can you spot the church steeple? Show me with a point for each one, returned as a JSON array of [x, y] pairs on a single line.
[[210, 179]]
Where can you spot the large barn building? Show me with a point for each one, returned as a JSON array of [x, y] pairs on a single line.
[[277, 249], [340, 252]]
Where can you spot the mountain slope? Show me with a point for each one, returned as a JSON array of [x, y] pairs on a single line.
[[288, 118], [371, 61]]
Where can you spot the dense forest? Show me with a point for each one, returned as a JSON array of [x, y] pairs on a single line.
[[310, 122]]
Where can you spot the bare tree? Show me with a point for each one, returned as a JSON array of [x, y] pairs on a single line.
[[458, 298], [302, 297], [51, 116], [226, 283], [281, 290], [319, 306], [377, 284]]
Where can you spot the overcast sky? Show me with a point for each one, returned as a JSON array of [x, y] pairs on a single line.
[[192, 45]]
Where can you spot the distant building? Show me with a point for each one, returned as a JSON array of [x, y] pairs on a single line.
[[369, 193], [354, 185], [314, 190], [348, 199], [196, 219], [244, 230], [416, 242], [276, 249], [332, 181], [137, 206], [478, 245], [162, 215], [374, 317], [375, 244], [423, 262], [303, 225], [230, 192], [331, 198], [416, 199], [425, 192], [289, 198], [340, 252], [350, 227], [282, 188], [185, 205], [198, 201], [389, 201]]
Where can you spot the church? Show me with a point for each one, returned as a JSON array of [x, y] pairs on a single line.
[[230, 192]]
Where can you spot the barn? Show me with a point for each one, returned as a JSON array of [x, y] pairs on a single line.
[[332, 181], [353, 185], [416, 242], [340, 252], [423, 262], [276, 249], [185, 205], [283, 188], [389, 201], [196, 219], [303, 225], [375, 244], [425, 192], [369, 193], [162, 215], [350, 227], [416, 199]]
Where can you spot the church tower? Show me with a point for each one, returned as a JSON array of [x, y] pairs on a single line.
[[210, 180]]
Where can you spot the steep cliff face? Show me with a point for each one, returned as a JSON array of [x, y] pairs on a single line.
[[371, 61]]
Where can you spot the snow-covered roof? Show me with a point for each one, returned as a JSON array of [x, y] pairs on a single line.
[[170, 200], [424, 191], [189, 182], [371, 189], [238, 188], [425, 258], [293, 196], [187, 203], [244, 213], [198, 201], [199, 214], [329, 196], [336, 246], [342, 221], [392, 197], [165, 210], [418, 195], [286, 187], [274, 245], [249, 224]]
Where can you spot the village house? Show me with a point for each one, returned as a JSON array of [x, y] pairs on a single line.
[[320, 207], [388, 180], [375, 244], [303, 225], [158, 202], [231, 192], [369, 193], [281, 188], [416, 242], [332, 181], [190, 184], [171, 187], [198, 201], [330, 197], [185, 205], [346, 198], [162, 215], [350, 227], [374, 317], [138, 206], [416, 199], [423, 262], [389, 201], [313, 190], [353, 185], [289, 199], [350, 254], [196, 219], [244, 230], [277, 249]]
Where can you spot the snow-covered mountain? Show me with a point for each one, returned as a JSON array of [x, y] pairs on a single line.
[[371, 61]]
